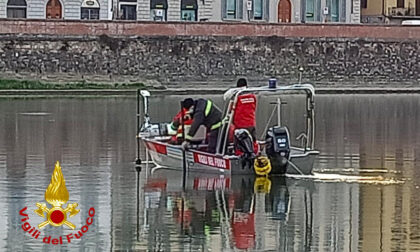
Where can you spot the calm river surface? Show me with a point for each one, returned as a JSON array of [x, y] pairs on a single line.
[[364, 196]]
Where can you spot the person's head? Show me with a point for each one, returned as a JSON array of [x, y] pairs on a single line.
[[241, 83], [187, 103]]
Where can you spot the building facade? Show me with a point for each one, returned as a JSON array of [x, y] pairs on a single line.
[[389, 11], [268, 11], [56, 9]]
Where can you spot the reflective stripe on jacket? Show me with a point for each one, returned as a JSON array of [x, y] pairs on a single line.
[[176, 124], [205, 113]]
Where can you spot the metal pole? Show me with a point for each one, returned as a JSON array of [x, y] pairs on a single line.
[[308, 122], [184, 168], [138, 160], [278, 112], [184, 158], [300, 74], [312, 104], [138, 205]]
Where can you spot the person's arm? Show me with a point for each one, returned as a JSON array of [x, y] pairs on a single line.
[[198, 119], [176, 121]]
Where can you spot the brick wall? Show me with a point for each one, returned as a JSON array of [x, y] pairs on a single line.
[[67, 27]]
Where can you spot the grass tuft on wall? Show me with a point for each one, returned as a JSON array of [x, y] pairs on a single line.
[[31, 84]]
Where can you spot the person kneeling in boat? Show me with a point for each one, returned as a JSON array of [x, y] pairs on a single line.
[[175, 128], [203, 112]]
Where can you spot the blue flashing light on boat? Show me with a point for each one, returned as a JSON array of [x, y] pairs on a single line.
[[272, 83]]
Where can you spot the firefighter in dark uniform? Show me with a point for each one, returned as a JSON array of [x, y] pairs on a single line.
[[204, 112]]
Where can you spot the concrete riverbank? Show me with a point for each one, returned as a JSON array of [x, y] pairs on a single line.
[[183, 91], [180, 55]]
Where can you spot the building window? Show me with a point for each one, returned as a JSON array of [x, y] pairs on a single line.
[[89, 10], [232, 9], [257, 9], [334, 10], [313, 10], [400, 3], [343, 11], [16, 9], [128, 10], [90, 13], [158, 10], [188, 15], [189, 10], [364, 4]]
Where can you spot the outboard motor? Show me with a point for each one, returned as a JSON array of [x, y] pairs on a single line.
[[155, 129], [149, 129], [278, 148], [245, 146]]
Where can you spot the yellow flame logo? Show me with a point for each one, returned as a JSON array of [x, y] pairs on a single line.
[[57, 195]]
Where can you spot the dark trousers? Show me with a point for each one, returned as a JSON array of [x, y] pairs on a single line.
[[212, 140], [253, 133]]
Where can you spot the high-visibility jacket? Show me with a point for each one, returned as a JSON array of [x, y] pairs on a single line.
[[176, 124], [205, 113], [244, 117], [244, 114]]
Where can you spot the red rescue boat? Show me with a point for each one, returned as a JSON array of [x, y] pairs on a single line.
[[285, 158]]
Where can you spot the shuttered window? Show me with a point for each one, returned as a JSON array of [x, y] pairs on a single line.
[[232, 9], [16, 9], [258, 9]]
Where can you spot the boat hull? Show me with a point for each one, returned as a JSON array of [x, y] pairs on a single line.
[[171, 156]]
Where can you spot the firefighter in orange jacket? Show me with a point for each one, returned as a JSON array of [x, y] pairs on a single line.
[[244, 116], [176, 124]]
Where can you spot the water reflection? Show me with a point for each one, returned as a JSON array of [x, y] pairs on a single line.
[[247, 212], [93, 138]]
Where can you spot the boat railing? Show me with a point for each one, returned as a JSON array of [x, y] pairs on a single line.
[[307, 137]]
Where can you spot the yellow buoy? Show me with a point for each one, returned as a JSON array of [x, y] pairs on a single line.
[[262, 166], [262, 185]]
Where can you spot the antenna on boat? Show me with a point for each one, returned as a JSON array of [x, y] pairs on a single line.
[[184, 167], [145, 94], [184, 158], [300, 74], [278, 111], [138, 159], [138, 169]]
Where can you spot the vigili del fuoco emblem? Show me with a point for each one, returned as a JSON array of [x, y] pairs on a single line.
[[57, 195]]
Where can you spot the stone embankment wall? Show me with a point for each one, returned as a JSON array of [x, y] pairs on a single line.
[[181, 54]]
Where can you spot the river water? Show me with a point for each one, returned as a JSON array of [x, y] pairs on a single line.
[[364, 195]]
